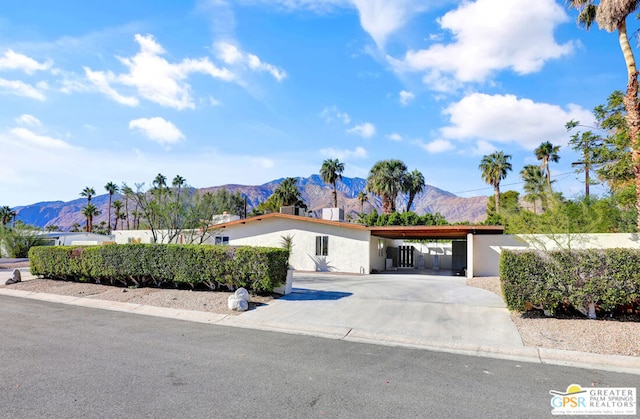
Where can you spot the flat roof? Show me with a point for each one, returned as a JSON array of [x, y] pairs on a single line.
[[433, 232], [389, 232]]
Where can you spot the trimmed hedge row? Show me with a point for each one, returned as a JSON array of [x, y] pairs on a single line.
[[256, 268], [607, 278]]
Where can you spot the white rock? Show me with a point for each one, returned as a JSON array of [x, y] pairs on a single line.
[[243, 294], [237, 304]]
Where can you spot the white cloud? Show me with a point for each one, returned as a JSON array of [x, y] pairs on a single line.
[[489, 36], [330, 113], [27, 119], [357, 153], [394, 136], [233, 56], [381, 18], [101, 81], [154, 78], [20, 88], [438, 146], [483, 147], [30, 138], [262, 162], [365, 130], [508, 119], [12, 60], [157, 129], [406, 97]]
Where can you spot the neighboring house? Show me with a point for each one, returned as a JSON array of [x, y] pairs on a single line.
[[64, 238]]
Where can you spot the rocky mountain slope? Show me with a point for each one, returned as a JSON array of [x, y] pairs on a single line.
[[315, 193]]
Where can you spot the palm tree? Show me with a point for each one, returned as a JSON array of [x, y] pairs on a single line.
[[7, 214], [89, 212], [75, 227], [128, 192], [88, 192], [287, 193], [547, 152], [534, 185], [386, 179], [178, 182], [611, 15], [160, 181], [413, 185], [111, 188], [494, 168], [362, 197], [331, 172], [117, 206]]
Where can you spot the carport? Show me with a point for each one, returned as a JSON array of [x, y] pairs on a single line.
[[461, 237]]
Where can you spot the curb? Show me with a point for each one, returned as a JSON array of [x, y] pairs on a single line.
[[538, 355]]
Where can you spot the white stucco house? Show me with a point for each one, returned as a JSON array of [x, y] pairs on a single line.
[[337, 246]]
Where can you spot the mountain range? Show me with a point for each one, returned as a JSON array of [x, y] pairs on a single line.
[[315, 193]]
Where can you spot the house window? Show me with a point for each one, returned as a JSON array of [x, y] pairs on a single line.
[[322, 245], [222, 240], [380, 247]]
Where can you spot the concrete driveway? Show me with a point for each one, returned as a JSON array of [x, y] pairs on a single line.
[[403, 309]]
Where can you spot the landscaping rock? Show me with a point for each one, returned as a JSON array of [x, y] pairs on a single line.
[[243, 294], [237, 304], [15, 278]]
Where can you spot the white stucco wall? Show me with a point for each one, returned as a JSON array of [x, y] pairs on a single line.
[[349, 249], [145, 236], [487, 248], [377, 258]]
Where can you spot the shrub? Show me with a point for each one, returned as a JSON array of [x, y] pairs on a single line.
[[258, 269], [16, 241], [608, 278]]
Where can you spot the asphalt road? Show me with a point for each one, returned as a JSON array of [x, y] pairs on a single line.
[[60, 361]]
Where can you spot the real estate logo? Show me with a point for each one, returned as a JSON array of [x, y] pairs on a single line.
[[594, 401]]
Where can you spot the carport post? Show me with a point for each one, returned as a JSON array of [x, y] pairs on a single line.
[[469, 255]]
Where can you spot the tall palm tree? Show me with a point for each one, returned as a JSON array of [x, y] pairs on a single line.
[[7, 214], [287, 193], [611, 15], [413, 185], [494, 168], [117, 206], [362, 197], [534, 185], [160, 181], [128, 192], [331, 172], [88, 191], [89, 212], [547, 152], [386, 179], [111, 188]]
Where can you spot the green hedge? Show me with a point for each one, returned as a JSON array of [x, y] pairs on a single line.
[[256, 268], [609, 278]]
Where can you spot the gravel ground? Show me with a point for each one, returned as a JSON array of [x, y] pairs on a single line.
[[603, 336]]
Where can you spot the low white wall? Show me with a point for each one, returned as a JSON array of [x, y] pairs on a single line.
[[145, 236], [487, 248]]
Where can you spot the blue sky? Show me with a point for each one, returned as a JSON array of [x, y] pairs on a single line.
[[246, 91]]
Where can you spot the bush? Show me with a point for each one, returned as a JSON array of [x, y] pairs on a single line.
[[607, 278], [214, 267], [16, 241]]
